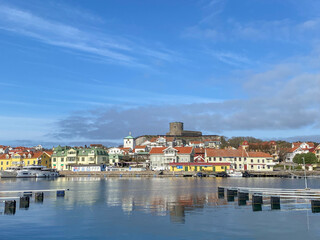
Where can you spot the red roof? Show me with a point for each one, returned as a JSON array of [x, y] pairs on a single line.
[[49, 152], [140, 147], [181, 150], [226, 152], [3, 156], [199, 164], [199, 150], [184, 150], [157, 150], [259, 154]]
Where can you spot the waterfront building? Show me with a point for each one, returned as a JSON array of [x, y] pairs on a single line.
[[259, 161], [200, 166], [292, 152], [5, 161], [42, 158], [240, 159], [117, 154], [160, 157], [25, 159], [63, 158], [199, 154]]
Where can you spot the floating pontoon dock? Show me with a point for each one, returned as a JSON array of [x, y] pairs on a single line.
[[275, 195]]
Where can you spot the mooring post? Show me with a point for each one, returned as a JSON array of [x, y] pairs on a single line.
[[315, 206], [257, 202], [242, 198], [10, 207], [275, 202], [24, 202], [38, 196], [60, 193], [220, 192], [230, 195]]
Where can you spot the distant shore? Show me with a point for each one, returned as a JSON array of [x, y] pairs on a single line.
[[283, 174]]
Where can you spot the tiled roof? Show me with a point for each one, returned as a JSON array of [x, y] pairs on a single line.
[[181, 150], [184, 150], [199, 150], [259, 154], [3, 156], [140, 147], [157, 150], [49, 152], [225, 152]]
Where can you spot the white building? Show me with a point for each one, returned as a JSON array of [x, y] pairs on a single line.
[[128, 142], [160, 157]]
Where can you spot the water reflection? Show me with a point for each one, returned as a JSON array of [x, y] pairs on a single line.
[[174, 197]]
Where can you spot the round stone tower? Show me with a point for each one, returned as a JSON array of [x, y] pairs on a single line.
[[176, 128]]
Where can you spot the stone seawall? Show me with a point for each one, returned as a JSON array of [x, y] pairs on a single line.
[[286, 174]]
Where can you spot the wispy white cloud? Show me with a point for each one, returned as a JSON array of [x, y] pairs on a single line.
[[113, 49], [231, 58]]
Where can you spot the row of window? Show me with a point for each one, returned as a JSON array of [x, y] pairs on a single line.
[[72, 159]]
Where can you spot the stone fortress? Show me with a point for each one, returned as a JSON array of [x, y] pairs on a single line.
[[176, 129], [178, 133]]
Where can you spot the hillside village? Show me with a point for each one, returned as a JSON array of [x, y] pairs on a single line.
[[178, 150]]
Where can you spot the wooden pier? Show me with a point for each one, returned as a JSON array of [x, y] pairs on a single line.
[[23, 196], [275, 195]]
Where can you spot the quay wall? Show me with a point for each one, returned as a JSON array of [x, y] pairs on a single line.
[[285, 174]]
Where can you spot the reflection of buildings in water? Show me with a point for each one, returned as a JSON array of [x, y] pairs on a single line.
[[161, 197], [83, 191], [128, 205], [177, 214]]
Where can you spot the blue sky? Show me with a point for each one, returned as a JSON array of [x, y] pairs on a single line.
[[91, 71]]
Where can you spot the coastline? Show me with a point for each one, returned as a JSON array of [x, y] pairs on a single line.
[[280, 174]]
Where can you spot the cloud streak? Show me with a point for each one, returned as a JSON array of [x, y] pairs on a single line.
[[112, 49]]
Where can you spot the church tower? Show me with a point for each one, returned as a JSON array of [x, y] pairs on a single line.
[[128, 142]]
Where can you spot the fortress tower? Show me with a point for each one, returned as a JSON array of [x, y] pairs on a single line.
[[176, 128]]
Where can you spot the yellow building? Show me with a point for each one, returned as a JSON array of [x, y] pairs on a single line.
[[203, 167], [25, 159], [5, 161], [38, 158]]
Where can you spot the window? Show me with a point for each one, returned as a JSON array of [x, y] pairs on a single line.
[[62, 159], [251, 166], [7, 162], [82, 159], [263, 160], [1, 163], [252, 160], [214, 158], [220, 159], [54, 159], [263, 167], [235, 166], [28, 162], [258, 160]]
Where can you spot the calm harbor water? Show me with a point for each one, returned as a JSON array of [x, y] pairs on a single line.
[[155, 208]]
